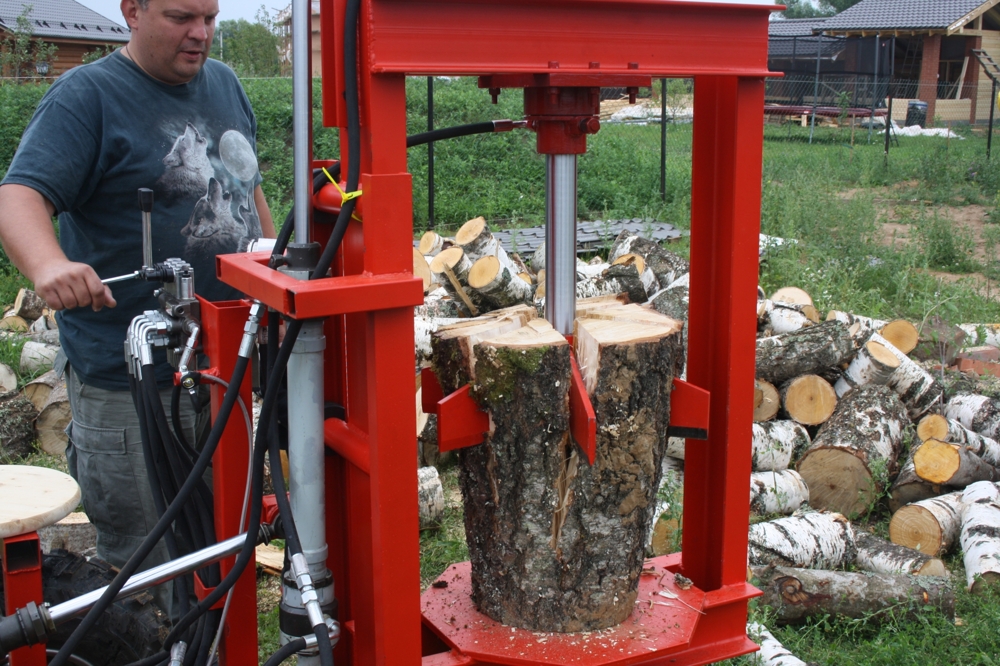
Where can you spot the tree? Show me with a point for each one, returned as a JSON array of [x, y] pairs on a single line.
[[20, 53], [251, 49], [803, 9]]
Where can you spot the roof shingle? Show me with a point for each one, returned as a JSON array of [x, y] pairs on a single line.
[[900, 15], [65, 19]]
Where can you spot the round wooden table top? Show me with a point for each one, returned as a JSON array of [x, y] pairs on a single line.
[[34, 497]]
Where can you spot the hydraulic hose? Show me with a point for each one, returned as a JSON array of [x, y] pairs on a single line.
[[287, 650]]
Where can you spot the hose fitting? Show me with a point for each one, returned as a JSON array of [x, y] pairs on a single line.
[[307, 592], [177, 653], [25, 626], [250, 330]]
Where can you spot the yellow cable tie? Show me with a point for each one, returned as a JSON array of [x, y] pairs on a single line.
[[344, 196]]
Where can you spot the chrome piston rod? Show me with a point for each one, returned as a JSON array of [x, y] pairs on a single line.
[[560, 242]]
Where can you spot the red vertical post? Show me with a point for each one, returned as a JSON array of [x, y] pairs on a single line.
[[22, 582], [725, 227], [223, 325]]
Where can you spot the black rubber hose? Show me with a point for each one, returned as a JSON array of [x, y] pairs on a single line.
[[487, 127], [175, 416], [162, 525], [286, 651]]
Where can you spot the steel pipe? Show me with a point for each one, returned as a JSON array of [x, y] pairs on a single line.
[[560, 241], [302, 116]]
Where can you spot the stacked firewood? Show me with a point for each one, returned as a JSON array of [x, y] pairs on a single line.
[[39, 412]]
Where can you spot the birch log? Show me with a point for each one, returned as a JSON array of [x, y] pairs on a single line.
[[38, 389], [615, 280], [28, 305], [422, 269], [775, 442], [908, 487], [497, 284], [820, 540], [930, 526], [440, 304], [976, 412], [453, 259], [916, 387], [477, 241], [665, 265], [981, 535], [874, 364], [432, 242], [785, 317], [8, 378], [808, 399], [935, 426], [17, 429], [802, 352], [770, 402], [423, 327], [792, 295], [781, 491], [854, 452], [772, 652], [798, 594], [901, 333], [53, 417], [673, 300], [881, 556], [982, 334], [430, 497], [37, 357], [952, 465]]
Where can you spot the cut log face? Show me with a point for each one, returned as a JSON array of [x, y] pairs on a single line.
[[782, 491], [14, 324], [951, 464], [772, 652], [874, 364], [17, 427], [770, 402], [476, 239], [802, 352], [819, 540], [981, 535], [497, 285], [930, 526], [798, 594], [649, 281], [916, 387], [935, 426], [809, 399], [881, 556], [38, 389], [431, 243], [902, 334], [775, 442], [855, 451], [976, 412], [557, 544], [908, 487], [453, 346], [792, 295], [52, 420], [421, 269]]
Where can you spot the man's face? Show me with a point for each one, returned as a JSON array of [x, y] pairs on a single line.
[[171, 38]]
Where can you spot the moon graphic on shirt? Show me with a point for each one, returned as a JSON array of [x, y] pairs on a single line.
[[237, 155]]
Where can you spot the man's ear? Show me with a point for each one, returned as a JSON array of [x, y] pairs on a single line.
[[130, 11]]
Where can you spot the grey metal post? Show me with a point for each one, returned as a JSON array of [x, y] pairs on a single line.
[[663, 139], [993, 103], [871, 118], [560, 242], [302, 116], [812, 126], [430, 153]]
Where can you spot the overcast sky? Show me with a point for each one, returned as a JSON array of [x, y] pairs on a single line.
[[247, 9]]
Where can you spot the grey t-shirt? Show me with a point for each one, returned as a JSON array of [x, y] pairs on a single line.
[[103, 131]]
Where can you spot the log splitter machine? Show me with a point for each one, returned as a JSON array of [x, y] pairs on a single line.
[[351, 400]]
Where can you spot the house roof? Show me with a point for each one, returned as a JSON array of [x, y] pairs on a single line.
[[794, 27], [918, 15], [66, 19]]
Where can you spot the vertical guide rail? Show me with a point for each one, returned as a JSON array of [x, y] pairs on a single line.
[[430, 153], [302, 117], [663, 139], [560, 242], [725, 223]]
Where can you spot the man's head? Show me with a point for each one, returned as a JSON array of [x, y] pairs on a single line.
[[170, 38]]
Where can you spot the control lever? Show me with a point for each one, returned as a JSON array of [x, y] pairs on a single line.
[[146, 206]]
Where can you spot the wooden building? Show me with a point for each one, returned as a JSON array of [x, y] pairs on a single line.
[[73, 28]]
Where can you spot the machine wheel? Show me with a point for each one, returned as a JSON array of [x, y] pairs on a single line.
[[130, 630]]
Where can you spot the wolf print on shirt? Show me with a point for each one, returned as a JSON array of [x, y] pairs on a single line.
[[188, 166], [212, 229]]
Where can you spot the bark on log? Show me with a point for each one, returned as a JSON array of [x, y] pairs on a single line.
[[422, 269], [855, 451], [665, 265], [775, 443], [952, 465], [37, 357], [916, 387], [772, 652], [497, 285], [8, 378], [477, 241], [615, 280], [430, 497], [782, 491], [818, 540], [440, 304], [808, 399], [17, 426], [802, 352], [28, 305], [777, 317], [930, 526], [52, 420], [39, 326], [908, 487], [423, 328], [649, 281], [874, 364], [673, 300], [770, 402], [902, 334], [881, 556], [981, 535], [557, 544], [431, 243], [38, 389], [935, 426], [978, 413], [798, 594]]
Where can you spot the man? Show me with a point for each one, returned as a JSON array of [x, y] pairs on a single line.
[[155, 114]]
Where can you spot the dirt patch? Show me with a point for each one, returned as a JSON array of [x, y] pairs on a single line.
[[899, 218]]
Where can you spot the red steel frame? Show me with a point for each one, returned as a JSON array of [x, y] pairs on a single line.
[[372, 508], [22, 582]]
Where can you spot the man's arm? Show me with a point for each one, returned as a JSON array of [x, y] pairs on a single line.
[[264, 213], [30, 242]]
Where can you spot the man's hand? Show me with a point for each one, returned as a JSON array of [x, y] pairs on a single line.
[[67, 284]]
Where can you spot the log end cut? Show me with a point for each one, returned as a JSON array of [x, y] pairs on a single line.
[[915, 527], [838, 481]]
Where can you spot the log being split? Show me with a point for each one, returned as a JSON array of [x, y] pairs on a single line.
[[930, 526], [855, 451], [874, 364], [497, 284], [916, 387], [802, 352], [818, 540], [881, 556], [664, 264], [808, 399], [781, 491], [770, 402], [579, 530], [981, 535], [953, 465], [935, 426], [797, 594], [772, 652], [976, 412], [908, 487], [775, 442]]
